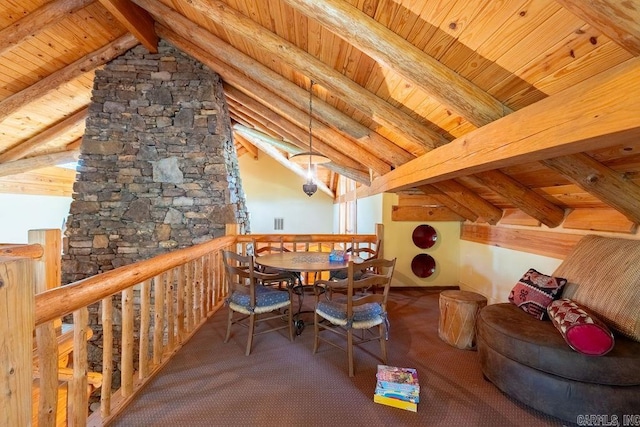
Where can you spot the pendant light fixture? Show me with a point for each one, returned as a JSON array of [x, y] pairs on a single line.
[[310, 158]]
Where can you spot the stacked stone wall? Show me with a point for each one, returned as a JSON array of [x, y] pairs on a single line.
[[158, 169]]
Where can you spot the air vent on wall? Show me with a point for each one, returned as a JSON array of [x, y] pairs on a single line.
[[278, 223]]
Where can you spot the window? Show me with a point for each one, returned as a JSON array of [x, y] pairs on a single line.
[[347, 210]]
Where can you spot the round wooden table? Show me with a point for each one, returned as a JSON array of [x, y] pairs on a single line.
[[458, 311], [303, 262]]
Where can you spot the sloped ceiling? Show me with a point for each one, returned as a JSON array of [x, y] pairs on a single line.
[[472, 108]]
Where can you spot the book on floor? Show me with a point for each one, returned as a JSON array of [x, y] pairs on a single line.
[[396, 403], [397, 387]]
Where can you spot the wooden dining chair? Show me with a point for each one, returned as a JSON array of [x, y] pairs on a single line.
[[281, 277], [342, 315], [361, 252], [250, 302]]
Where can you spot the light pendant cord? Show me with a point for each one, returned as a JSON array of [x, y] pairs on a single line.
[[310, 119]]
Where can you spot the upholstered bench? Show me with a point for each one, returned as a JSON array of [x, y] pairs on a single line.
[[529, 359]]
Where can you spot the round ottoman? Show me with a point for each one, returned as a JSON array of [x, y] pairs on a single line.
[[458, 311]]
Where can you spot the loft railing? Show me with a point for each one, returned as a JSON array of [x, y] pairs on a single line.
[[159, 304]]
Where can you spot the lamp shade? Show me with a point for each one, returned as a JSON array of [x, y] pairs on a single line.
[[307, 158]]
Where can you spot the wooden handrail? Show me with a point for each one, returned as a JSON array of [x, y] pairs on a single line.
[[64, 300], [34, 251], [315, 238], [177, 292]]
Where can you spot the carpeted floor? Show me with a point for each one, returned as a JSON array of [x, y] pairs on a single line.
[[210, 383]]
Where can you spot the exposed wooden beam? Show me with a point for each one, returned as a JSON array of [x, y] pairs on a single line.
[[281, 145], [619, 20], [297, 169], [135, 19], [251, 149], [46, 15], [396, 53], [415, 199], [485, 210], [321, 132], [514, 216], [253, 120], [233, 64], [422, 213], [357, 175], [283, 132], [349, 91], [328, 142], [522, 197], [448, 202], [48, 181], [73, 145], [597, 113], [602, 219], [70, 72], [606, 184], [38, 162], [541, 242], [340, 162], [26, 147]]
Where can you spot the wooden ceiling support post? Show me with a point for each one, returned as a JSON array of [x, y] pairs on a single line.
[[606, 184], [448, 202], [471, 200], [136, 20], [524, 198]]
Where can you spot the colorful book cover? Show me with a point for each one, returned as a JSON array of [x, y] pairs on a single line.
[[398, 379], [396, 403], [409, 396]]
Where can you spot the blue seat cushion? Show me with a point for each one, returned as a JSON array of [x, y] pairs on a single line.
[[267, 299], [364, 316]]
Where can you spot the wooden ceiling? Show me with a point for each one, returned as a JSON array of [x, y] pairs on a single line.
[[469, 109]]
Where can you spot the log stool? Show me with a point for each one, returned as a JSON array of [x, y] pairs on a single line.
[[458, 310]]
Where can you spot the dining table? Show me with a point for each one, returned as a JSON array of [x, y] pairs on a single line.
[[303, 262]]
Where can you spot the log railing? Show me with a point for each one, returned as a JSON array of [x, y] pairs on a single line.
[[157, 304]]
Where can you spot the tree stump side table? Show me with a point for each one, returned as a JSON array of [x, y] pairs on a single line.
[[458, 311]]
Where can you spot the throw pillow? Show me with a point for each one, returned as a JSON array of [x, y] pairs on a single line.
[[535, 291], [583, 332]]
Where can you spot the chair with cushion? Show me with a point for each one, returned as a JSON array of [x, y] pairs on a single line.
[[280, 277], [361, 252], [250, 302], [340, 315]]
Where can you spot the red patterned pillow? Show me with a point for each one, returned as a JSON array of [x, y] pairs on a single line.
[[535, 291], [583, 332]]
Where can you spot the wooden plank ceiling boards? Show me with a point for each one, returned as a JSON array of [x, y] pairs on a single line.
[[516, 113]]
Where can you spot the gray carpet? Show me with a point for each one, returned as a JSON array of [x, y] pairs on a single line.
[[210, 383]]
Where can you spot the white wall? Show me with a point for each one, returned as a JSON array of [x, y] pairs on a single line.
[[398, 244], [20, 213], [493, 271], [272, 191], [369, 213]]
